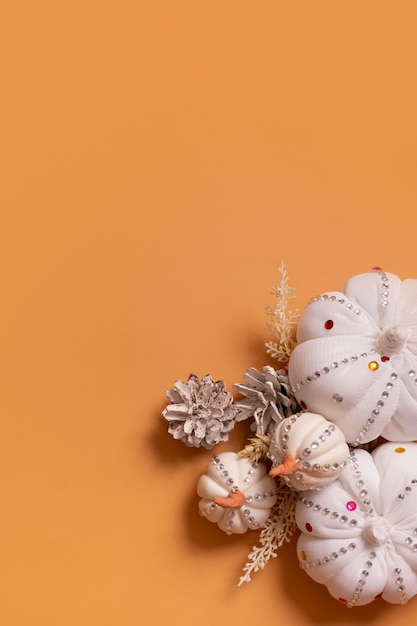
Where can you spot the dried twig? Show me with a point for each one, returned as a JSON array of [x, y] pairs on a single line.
[[283, 321], [278, 529]]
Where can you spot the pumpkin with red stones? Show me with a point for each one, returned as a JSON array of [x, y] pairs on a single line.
[[359, 534], [355, 361]]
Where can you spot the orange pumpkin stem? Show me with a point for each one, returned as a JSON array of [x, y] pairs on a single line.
[[288, 466], [233, 501]]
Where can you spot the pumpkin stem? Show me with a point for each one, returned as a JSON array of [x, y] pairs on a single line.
[[288, 466], [234, 500]]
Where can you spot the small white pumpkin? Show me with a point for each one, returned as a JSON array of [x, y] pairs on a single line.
[[308, 451], [359, 534], [356, 358], [236, 494]]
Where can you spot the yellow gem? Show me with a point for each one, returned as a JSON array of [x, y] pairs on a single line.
[[373, 366], [399, 450], [303, 555]]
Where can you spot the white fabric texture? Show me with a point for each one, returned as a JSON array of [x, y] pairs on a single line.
[[355, 361], [359, 534]]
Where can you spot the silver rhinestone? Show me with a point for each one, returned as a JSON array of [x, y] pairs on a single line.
[[411, 373], [337, 397]]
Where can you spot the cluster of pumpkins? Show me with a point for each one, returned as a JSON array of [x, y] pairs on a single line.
[[354, 373]]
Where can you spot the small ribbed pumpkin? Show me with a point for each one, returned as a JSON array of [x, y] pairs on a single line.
[[308, 451], [236, 494]]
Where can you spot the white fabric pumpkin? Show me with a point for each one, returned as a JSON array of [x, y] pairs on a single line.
[[227, 474], [359, 534], [356, 358], [317, 446]]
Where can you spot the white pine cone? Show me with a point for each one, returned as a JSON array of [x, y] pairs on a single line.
[[201, 413], [268, 399]]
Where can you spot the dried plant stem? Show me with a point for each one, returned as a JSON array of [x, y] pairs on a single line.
[[257, 449], [282, 322], [278, 529]]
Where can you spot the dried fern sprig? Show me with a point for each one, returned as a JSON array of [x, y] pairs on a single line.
[[257, 449], [278, 529], [282, 321]]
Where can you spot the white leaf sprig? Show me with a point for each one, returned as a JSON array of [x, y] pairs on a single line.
[[278, 530]]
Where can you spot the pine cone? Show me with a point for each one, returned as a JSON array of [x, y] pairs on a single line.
[[201, 413], [268, 399]]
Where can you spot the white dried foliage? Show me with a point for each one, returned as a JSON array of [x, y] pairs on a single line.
[[283, 320], [278, 530]]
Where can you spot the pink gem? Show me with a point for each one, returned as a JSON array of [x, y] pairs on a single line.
[[351, 505]]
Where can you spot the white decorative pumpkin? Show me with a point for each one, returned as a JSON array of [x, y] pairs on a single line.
[[308, 451], [356, 358], [359, 534], [236, 494]]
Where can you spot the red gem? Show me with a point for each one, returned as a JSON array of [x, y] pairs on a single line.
[[309, 527], [377, 268], [342, 600], [303, 404], [329, 324], [384, 358]]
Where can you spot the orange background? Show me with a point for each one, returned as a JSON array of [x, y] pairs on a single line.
[[159, 159]]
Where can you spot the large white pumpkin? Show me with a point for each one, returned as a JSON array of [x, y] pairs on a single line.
[[229, 477], [356, 358], [359, 534]]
